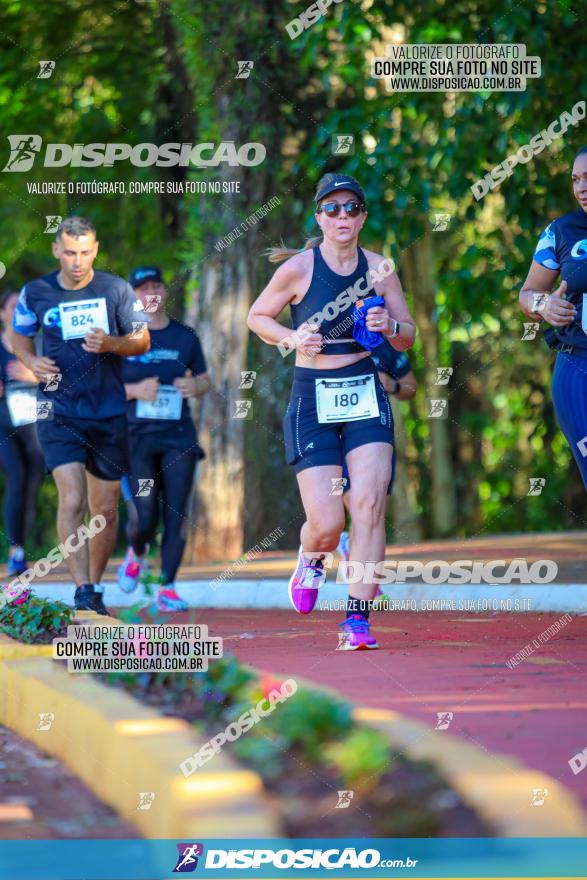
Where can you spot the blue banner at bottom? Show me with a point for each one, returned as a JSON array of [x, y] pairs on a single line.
[[275, 858]]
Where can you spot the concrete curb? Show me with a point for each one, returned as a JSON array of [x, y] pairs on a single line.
[[497, 786], [272, 593], [119, 748]]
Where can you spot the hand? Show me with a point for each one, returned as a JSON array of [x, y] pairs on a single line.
[[309, 342], [147, 389], [557, 311], [96, 341], [186, 384], [16, 370], [378, 320], [42, 367]]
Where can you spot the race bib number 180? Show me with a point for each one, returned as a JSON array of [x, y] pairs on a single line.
[[346, 400], [82, 315]]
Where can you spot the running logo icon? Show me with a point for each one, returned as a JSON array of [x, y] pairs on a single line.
[[247, 378], [344, 799], [537, 484], [23, 149], [146, 799], [438, 409], [46, 719], [44, 410], [187, 861], [338, 485], [52, 381], [443, 375], [539, 795], [52, 222], [530, 331], [343, 144], [441, 222], [144, 488], [242, 409], [244, 69], [444, 719], [46, 69]]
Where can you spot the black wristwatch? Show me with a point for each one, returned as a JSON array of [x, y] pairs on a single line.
[[397, 387]]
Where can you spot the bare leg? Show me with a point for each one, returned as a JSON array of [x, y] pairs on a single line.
[[71, 486], [370, 471], [103, 499], [324, 512]]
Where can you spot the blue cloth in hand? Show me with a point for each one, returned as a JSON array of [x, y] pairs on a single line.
[[367, 338]]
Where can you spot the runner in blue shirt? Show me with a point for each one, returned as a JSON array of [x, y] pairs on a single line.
[[89, 321], [163, 444], [562, 251]]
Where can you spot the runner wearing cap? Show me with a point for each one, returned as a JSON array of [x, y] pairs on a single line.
[[21, 458], [338, 407], [89, 322], [395, 374], [163, 445]]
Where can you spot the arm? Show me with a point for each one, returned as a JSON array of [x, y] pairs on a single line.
[[390, 289], [195, 382], [403, 388], [24, 349], [280, 291], [146, 389], [98, 342], [537, 303]]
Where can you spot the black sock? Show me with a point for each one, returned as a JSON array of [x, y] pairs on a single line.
[[83, 586], [358, 606]]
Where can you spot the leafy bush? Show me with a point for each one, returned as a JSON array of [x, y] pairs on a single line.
[[36, 620]]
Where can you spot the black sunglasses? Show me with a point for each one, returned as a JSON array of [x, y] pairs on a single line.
[[332, 209]]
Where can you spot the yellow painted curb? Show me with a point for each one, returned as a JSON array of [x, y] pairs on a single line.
[[120, 748], [497, 786], [12, 649]]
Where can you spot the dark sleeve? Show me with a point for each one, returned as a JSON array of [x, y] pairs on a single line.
[[129, 311], [197, 361], [388, 360]]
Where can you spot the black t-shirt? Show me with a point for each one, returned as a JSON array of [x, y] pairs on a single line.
[[91, 385], [174, 350], [563, 247]]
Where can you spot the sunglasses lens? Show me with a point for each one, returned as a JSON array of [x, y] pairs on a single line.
[[331, 209], [353, 209]]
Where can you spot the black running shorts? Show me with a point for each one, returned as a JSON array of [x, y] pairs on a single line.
[[101, 445], [311, 444]]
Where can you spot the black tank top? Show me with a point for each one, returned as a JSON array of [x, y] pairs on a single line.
[[336, 314]]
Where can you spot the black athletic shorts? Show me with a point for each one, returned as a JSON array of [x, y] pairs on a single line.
[[99, 444], [311, 444]]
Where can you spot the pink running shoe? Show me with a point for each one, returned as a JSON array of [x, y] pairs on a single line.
[[129, 573], [355, 635], [305, 582], [169, 601]]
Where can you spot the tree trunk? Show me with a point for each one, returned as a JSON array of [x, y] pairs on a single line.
[[419, 266]]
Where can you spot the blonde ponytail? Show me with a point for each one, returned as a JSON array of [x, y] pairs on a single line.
[[278, 254]]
